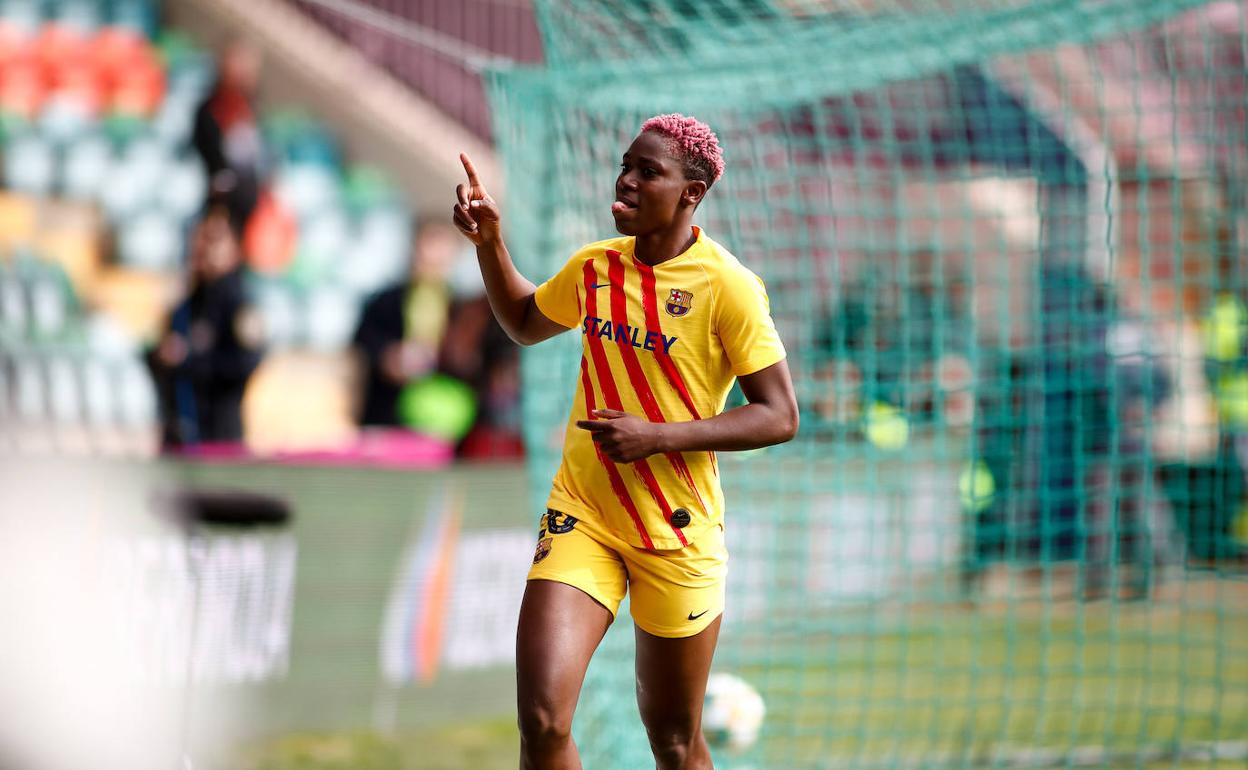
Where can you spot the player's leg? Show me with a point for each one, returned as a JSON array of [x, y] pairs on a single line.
[[560, 627], [677, 604], [575, 587], [671, 683]]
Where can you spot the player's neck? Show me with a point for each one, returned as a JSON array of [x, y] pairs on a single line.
[[655, 248]]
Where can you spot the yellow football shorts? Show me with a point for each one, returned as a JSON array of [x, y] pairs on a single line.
[[675, 593]]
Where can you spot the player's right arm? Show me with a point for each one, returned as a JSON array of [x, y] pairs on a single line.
[[511, 295]]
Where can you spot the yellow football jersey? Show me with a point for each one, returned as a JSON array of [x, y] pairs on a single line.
[[663, 343]]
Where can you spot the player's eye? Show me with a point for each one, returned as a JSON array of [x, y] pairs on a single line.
[[649, 173]]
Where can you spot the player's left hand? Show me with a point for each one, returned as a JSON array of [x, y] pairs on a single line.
[[622, 437]]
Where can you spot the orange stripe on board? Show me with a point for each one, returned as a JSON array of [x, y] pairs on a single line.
[[650, 405], [613, 473], [429, 635]]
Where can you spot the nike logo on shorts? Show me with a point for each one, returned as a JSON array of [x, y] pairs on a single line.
[[700, 614], [599, 285]]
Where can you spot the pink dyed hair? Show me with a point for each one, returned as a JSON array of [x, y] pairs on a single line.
[[693, 141]]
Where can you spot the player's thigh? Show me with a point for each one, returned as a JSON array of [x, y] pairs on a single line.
[[560, 627], [575, 586], [677, 603], [671, 681]]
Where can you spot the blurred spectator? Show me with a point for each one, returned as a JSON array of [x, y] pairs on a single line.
[[428, 328], [212, 342], [402, 329], [227, 136]]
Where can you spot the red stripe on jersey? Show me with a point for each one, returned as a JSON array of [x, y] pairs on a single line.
[[609, 393], [650, 405], [613, 473], [650, 300]]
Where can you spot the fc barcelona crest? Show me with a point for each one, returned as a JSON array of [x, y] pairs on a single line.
[[543, 550], [679, 302]]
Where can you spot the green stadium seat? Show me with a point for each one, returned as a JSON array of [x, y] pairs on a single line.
[[323, 238], [367, 187]]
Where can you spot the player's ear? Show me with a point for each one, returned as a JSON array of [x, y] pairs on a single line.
[[694, 192]]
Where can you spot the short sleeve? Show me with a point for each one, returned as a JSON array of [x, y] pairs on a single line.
[[744, 325], [558, 298]]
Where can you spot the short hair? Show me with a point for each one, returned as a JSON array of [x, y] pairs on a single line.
[[694, 143]]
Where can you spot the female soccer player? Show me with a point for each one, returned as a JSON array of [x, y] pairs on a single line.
[[668, 318]]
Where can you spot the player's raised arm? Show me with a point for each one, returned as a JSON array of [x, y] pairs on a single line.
[[477, 216]]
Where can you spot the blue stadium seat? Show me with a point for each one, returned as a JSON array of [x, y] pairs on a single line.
[[140, 15]]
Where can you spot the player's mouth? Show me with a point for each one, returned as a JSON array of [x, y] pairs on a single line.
[[622, 205]]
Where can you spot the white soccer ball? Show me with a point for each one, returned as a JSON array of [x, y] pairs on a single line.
[[732, 713]]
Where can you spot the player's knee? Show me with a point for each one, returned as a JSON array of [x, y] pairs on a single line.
[[543, 726], [672, 740]]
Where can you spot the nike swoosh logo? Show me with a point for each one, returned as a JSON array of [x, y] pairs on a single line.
[[700, 614], [599, 285]]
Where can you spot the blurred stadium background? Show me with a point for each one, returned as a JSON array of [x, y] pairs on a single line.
[[1006, 245]]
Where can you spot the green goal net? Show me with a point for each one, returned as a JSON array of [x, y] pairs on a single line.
[[1004, 243]]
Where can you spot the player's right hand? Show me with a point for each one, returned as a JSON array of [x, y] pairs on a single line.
[[475, 214]]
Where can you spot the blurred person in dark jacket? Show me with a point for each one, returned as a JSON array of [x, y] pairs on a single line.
[[226, 134], [212, 342], [402, 329]]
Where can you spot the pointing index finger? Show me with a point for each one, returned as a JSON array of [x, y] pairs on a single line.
[[470, 169]]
